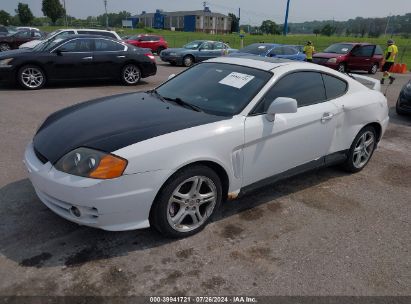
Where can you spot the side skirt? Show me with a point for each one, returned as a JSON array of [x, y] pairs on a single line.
[[325, 161]]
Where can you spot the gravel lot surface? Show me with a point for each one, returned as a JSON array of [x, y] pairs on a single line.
[[321, 233]]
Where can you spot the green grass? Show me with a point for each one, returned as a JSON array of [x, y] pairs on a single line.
[[178, 39]]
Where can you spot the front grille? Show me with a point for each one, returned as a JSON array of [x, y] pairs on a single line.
[[41, 157], [320, 60]]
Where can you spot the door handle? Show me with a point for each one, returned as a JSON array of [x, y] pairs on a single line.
[[87, 58], [327, 116], [121, 56]]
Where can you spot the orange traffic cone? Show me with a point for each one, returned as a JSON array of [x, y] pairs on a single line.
[[403, 68]]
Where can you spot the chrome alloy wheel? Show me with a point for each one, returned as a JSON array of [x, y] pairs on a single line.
[[363, 149], [191, 203], [4, 47], [32, 77], [131, 74]]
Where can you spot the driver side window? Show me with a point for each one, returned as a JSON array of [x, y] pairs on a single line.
[[306, 87]]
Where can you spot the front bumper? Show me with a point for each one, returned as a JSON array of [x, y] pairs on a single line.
[[117, 204], [171, 59]]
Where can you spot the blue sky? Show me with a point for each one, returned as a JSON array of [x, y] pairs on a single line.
[[251, 11]]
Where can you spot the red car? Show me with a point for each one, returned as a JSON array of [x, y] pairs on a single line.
[[349, 56], [153, 42], [13, 41]]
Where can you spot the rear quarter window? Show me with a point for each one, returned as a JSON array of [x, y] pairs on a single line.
[[334, 87]]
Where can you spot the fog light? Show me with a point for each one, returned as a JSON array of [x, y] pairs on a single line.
[[75, 211]]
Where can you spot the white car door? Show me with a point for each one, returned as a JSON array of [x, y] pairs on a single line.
[[292, 139]]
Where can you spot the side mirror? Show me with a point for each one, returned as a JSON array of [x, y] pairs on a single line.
[[171, 76], [281, 105], [58, 52]]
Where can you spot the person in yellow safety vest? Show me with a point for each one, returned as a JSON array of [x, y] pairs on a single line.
[[309, 51], [390, 54]]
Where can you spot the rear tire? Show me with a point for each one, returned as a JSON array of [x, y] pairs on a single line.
[[158, 51], [186, 202], [130, 74], [361, 150], [374, 69], [342, 68], [31, 77]]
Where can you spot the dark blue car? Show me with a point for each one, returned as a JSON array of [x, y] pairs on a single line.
[[195, 51], [292, 52]]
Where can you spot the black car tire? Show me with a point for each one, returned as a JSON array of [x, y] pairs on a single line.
[[374, 69], [342, 68], [357, 148], [188, 60], [130, 74], [31, 77], [158, 51], [162, 211], [4, 47], [398, 109]]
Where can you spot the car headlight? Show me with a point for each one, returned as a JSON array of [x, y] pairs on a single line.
[[92, 163], [6, 61], [332, 60]]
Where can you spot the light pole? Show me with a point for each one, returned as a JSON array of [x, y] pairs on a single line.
[[65, 13], [286, 18], [105, 5]]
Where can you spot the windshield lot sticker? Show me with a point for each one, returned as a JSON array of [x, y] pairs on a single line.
[[236, 80], [344, 49]]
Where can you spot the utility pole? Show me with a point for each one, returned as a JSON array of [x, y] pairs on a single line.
[[386, 26], [65, 13], [105, 5], [286, 19]]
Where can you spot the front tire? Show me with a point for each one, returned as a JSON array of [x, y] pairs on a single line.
[[4, 47], [130, 74], [186, 202], [188, 61], [31, 77], [361, 150]]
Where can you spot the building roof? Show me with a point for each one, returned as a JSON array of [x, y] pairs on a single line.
[[184, 13]]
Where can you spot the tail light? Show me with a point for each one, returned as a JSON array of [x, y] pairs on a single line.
[[151, 56]]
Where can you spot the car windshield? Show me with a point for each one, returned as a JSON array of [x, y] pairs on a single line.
[[256, 49], [47, 45], [193, 45], [339, 48], [216, 88]]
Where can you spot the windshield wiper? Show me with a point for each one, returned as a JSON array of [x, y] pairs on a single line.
[[183, 103], [157, 94]]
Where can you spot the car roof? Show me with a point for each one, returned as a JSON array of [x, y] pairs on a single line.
[[85, 29], [355, 43], [262, 63]]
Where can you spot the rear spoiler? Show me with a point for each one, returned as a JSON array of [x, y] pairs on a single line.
[[369, 82]]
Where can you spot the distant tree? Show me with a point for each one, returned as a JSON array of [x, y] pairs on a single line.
[[53, 9], [347, 32], [316, 32], [24, 13], [269, 27], [235, 23], [327, 30], [115, 19], [5, 17]]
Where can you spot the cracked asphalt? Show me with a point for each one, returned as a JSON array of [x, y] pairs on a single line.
[[320, 233]]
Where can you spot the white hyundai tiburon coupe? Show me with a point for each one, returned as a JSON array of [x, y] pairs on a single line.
[[169, 157]]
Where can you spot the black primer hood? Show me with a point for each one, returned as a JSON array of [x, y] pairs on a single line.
[[111, 123]]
